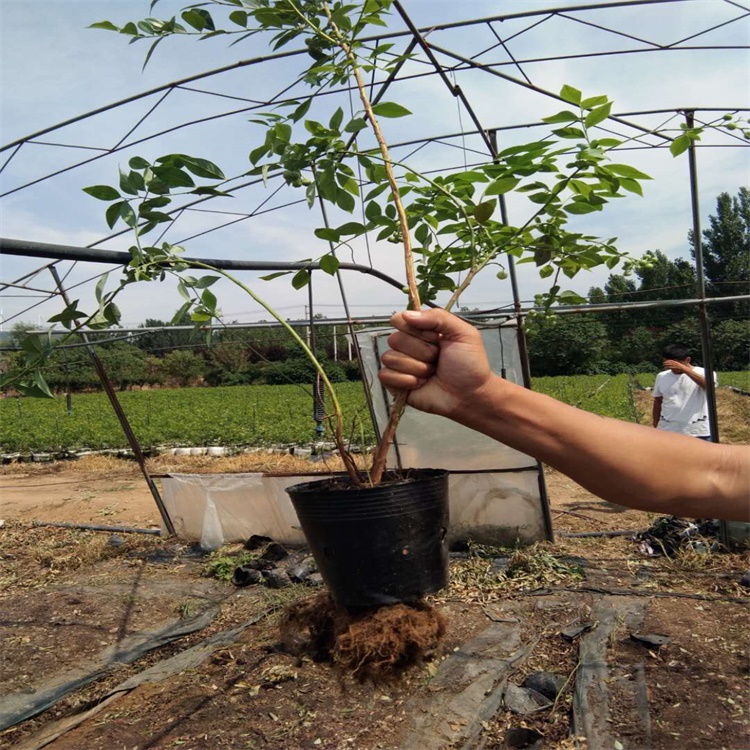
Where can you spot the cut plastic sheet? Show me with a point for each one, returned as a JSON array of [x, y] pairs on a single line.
[[214, 509]]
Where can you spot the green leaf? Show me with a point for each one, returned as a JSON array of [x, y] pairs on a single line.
[[565, 116], [202, 167], [209, 299], [301, 279], [571, 298], [351, 227], [580, 208], [598, 115], [625, 170], [199, 19], [546, 271], [301, 111], [355, 125], [327, 233], [569, 94], [41, 384], [174, 177], [345, 201], [569, 133], [113, 213], [632, 186], [102, 192], [329, 263], [336, 119], [99, 291], [310, 193], [483, 212], [206, 281], [182, 289], [390, 109], [272, 276], [679, 144], [179, 316], [138, 162], [106, 25], [372, 211], [239, 17], [501, 186], [593, 101]]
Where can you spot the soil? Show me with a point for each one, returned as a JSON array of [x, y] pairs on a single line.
[[66, 595]]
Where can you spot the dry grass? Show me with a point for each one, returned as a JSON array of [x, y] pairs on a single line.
[[112, 466], [532, 567], [31, 555], [248, 463]]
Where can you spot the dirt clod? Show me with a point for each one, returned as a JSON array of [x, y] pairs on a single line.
[[376, 643]]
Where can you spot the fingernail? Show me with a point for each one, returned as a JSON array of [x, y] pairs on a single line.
[[412, 314]]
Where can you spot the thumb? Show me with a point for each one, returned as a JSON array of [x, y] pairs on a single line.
[[433, 320]]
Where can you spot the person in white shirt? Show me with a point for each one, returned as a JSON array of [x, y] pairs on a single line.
[[679, 395]]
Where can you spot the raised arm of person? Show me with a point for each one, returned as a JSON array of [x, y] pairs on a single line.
[[686, 368], [441, 360]]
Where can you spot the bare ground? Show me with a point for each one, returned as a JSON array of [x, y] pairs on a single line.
[[68, 595]]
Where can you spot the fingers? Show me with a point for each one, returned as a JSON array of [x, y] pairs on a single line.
[[399, 381], [431, 324], [411, 346], [406, 364]]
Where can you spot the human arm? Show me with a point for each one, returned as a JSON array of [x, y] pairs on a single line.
[[686, 369], [656, 410], [441, 360]]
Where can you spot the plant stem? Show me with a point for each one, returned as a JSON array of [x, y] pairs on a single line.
[[378, 463], [338, 416]]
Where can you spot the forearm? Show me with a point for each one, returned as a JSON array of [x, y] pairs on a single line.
[[696, 378], [656, 412], [618, 461]]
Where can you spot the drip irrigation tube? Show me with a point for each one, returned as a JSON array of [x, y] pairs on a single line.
[[94, 527]]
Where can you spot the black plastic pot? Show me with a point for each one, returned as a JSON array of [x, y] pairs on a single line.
[[377, 545]]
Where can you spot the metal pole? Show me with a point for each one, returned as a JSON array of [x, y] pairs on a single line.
[[708, 364], [523, 352], [121, 416]]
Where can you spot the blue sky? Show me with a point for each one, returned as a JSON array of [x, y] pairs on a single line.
[[54, 68]]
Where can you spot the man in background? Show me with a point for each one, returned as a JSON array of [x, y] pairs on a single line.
[[680, 395]]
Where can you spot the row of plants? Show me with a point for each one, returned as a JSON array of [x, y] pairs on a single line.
[[253, 415]]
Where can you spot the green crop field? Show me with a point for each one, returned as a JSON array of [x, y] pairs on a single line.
[[251, 415]]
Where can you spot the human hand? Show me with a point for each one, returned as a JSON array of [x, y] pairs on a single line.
[[439, 358], [675, 365]]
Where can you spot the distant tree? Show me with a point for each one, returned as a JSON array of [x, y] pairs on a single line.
[[726, 250], [161, 342], [565, 344], [731, 345], [182, 367]]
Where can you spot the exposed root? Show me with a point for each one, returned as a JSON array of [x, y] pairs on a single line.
[[376, 643]]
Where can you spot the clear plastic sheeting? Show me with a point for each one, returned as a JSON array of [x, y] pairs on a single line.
[[214, 509], [496, 508]]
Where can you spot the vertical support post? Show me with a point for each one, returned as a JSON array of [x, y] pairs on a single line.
[[121, 416], [708, 365], [523, 351], [319, 408], [335, 346]]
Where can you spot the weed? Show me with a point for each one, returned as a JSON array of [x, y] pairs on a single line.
[[221, 563]]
